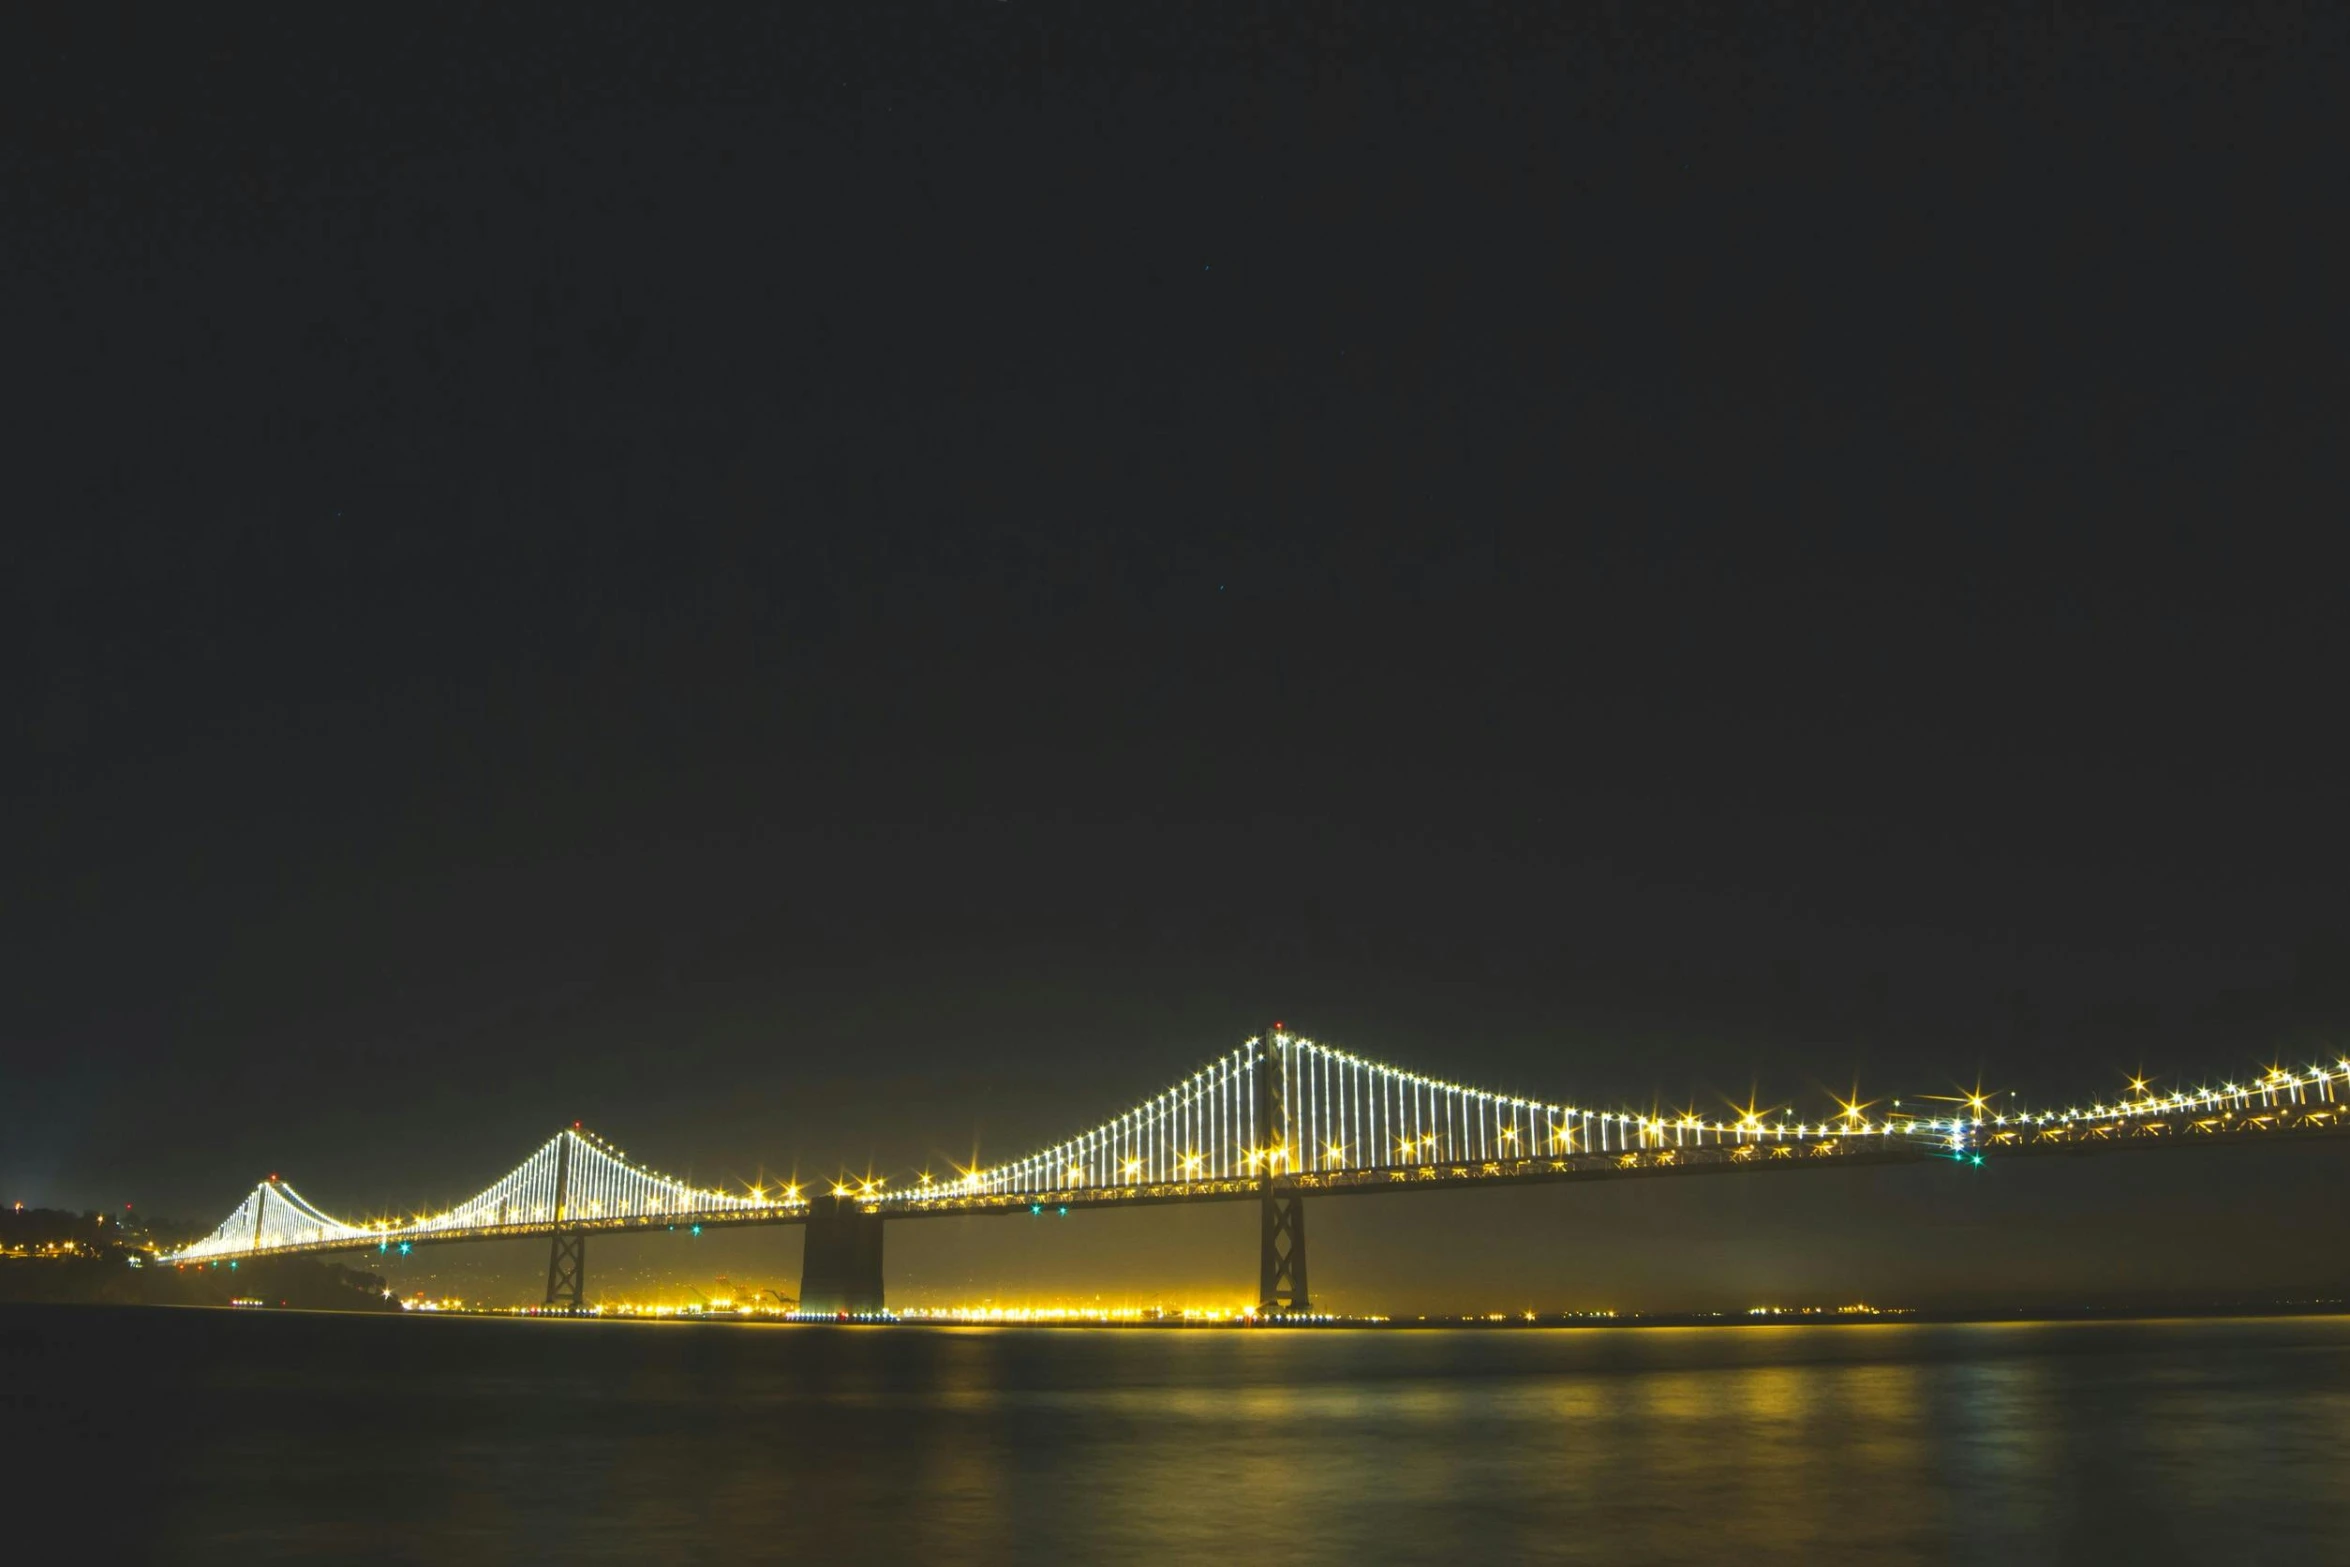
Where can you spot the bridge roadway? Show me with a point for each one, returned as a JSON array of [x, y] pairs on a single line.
[[842, 1262]]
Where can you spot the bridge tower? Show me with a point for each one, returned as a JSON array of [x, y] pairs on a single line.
[[567, 1264], [1281, 1256], [840, 1269]]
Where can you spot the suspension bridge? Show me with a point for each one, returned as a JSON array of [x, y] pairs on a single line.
[[1276, 1121]]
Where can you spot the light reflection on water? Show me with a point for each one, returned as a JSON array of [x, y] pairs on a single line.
[[284, 1437]]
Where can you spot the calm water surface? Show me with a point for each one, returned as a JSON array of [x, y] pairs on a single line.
[[206, 1436]]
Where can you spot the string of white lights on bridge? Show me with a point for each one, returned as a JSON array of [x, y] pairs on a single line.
[[573, 1178], [1339, 1116]]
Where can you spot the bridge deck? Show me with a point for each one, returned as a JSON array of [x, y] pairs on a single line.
[[1328, 1123], [2290, 1125], [2281, 1125]]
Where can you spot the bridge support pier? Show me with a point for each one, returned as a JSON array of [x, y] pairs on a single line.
[[840, 1271], [1281, 1263], [567, 1270]]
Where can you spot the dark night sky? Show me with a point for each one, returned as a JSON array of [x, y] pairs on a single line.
[[815, 591]]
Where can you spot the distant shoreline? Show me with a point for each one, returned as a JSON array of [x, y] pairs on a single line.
[[1519, 1322]]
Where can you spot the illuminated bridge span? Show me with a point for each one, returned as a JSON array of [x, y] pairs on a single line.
[[571, 1185], [1272, 1122]]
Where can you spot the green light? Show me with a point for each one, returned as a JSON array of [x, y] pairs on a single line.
[[1978, 1158], [698, 1228]]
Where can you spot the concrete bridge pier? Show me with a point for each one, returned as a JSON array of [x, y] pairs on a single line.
[[840, 1270]]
